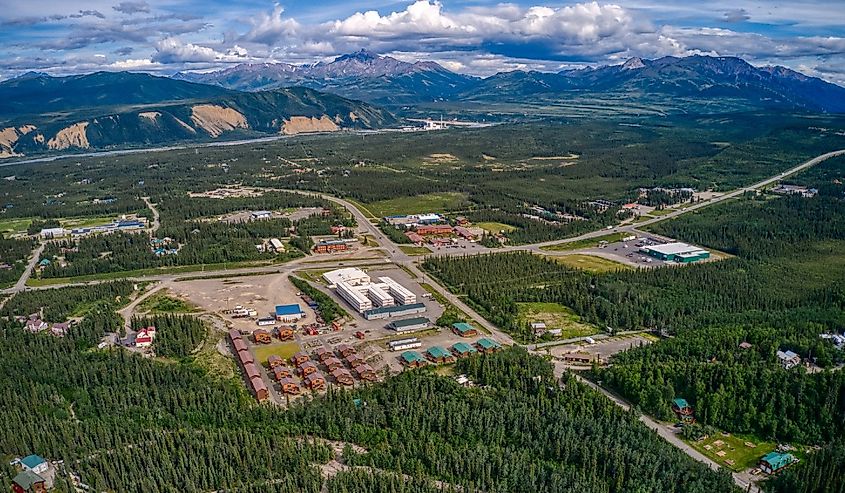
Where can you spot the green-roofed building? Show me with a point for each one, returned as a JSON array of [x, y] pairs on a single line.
[[487, 346], [464, 329], [412, 359], [682, 408], [462, 350], [28, 481], [775, 461], [439, 355]]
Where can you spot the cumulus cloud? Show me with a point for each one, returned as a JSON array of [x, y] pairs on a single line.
[[271, 28], [130, 8], [173, 50]]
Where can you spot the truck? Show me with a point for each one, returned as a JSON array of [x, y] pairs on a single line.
[[359, 335]]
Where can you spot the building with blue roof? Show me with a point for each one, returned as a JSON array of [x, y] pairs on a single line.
[[289, 313]]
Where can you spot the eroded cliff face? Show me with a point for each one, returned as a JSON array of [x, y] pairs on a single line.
[[72, 136], [216, 119], [9, 137], [303, 124]]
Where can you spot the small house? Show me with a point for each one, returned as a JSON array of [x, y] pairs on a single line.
[[323, 353], [299, 358], [354, 360], [60, 329], [284, 333], [289, 386], [332, 363], [682, 409], [307, 368], [345, 350], [538, 328], [145, 337], [462, 350], [788, 359], [282, 372], [464, 329], [234, 335], [487, 346], [315, 381], [411, 359], [342, 376], [261, 336], [774, 462], [28, 482], [251, 371], [365, 372], [439, 355], [274, 360], [34, 463], [35, 325]]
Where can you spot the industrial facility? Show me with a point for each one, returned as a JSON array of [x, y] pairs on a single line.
[[357, 289], [676, 252]]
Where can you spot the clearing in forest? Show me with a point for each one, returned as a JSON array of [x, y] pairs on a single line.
[[496, 228], [734, 452], [430, 202], [555, 316], [590, 263]]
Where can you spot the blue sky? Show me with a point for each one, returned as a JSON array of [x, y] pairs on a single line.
[[471, 36]]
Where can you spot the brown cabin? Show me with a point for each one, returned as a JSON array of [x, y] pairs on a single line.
[[261, 336], [234, 335], [28, 482], [284, 333], [332, 363], [354, 360], [274, 360], [245, 357], [299, 358], [365, 372], [251, 371], [345, 350], [239, 345], [322, 353], [289, 386], [343, 377], [307, 368], [315, 381], [281, 372], [260, 389]]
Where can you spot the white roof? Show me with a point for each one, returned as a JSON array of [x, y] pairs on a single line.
[[786, 355], [352, 275], [676, 248]]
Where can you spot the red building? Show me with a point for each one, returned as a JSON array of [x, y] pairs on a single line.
[[434, 229]]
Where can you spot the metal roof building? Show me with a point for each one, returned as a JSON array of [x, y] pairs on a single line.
[[409, 324], [678, 252]]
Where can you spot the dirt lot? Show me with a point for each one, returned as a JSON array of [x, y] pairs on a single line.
[[604, 348], [295, 215]]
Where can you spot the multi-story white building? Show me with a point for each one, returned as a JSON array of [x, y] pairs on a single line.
[[400, 293], [353, 295]]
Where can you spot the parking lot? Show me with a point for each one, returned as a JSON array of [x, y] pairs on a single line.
[[603, 349], [628, 252]]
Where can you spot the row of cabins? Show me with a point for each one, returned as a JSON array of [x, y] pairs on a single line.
[[439, 355], [335, 363], [247, 364], [263, 336]]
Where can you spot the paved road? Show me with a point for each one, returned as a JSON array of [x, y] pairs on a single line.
[[156, 222], [27, 273]]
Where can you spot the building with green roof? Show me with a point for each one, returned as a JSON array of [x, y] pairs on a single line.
[[29, 481], [682, 408], [412, 359], [439, 355], [486, 345], [464, 329], [776, 461], [462, 349]]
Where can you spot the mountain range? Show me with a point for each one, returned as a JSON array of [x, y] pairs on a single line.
[[386, 81], [40, 113], [102, 110]]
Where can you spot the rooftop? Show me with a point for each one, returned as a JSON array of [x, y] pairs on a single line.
[[395, 308], [488, 343], [412, 357], [409, 322], [293, 309], [462, 326], [680, 403], [676, 248], [32, 461], [463, 348], [438, 352]]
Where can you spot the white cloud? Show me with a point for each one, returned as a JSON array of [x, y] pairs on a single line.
[[271, 28], [173, 50]]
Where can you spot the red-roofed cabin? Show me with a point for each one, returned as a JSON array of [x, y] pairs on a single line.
[[345, 350], [354, 360], [281, 372], [299, 358], [245, 357], [323, 353], [261, 336], [274, 361], [315, 381], [331, 363], [289, 386], [284, 333], [307, 368], [366, 372], [260, 389]]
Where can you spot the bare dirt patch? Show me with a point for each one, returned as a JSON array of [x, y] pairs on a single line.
[[72, 136], [304, 124], [217, 119], [149, 115]]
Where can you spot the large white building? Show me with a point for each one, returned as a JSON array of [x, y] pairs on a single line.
[[357, 288]]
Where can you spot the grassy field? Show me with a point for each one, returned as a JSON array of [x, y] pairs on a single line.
[[161, 302], [209, 359], [414, 250], [555, 316], [586, 243], [590, 263], [16, 225], [282, 349], [732, 451], [83, 222], [496, 228], [432, 202]]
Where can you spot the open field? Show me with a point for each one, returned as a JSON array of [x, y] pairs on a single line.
[[431, 202], [495, 228], [733, 451], [14, 225], [414, 250], [587, 243], [162, 302], [282, 349], [555, 316], [209, 358], [590, 263]]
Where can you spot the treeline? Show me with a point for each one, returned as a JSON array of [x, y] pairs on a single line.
[[177, 336], [534, 231], [59, 304], [14, 254], [326, 305], [741, 390], [182, 207]]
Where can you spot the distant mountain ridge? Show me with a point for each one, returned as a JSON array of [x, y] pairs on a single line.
[[361, 75], [385, 80], [103, 110]]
